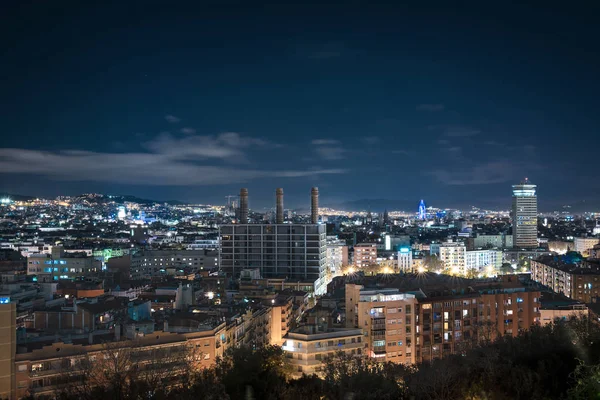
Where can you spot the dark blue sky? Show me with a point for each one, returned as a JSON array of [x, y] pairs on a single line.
[[192, 100]]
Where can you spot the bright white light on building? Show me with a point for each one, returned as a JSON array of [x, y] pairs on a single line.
[[210, 295]]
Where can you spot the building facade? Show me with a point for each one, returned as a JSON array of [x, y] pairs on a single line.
[[454, 255], [585, 244], [62, 265], [337, 255], [524, 215], [405, 259], [576, 282], [483, 261], [306, 349], [387, 318], [295, 251], [365, 255]]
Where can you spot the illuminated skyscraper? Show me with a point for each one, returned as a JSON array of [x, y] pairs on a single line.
[[422, 210], [524, 215]]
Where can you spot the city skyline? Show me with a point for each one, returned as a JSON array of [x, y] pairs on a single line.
[[210, 99]]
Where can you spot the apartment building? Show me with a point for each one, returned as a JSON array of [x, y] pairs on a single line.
[[459, 260], [365, 255], [483, 261], [583, 245], [150, 263], [450, 324], [42, 371], [453, 255], [308, 346], [577, 281], [405, 259], [62, 265], [336, 256], [427, 319], [8, 348], [387, 318]]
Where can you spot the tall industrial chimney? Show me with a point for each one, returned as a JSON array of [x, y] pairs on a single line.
[[314, 205], [243, 206], [279, 210]]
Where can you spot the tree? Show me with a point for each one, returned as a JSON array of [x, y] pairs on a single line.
[[587, 382], [130, 372], [433, 263], [350, 376], [260, 374]]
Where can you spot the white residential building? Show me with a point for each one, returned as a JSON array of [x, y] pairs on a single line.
[[585, 244], [454, 255], [483, 260], [405, 260]]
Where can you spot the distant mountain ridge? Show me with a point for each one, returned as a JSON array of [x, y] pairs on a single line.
[[17, 197], [95, 197], [374, 205]]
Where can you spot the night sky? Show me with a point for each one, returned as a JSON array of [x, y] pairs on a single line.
[[193, 100]]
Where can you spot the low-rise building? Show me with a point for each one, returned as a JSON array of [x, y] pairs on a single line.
[[307, 346], [555, 307], [61, 265]]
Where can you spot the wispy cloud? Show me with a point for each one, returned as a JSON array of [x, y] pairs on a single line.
[[330, 153], [494, 143], [480, 174], [188, 131], [167, 161], [172, 119], [325, 142], [328, 149], [455, 130], [371, 139], [431, 107], [402, 152]]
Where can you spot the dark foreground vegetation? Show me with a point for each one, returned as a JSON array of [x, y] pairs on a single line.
[[557, 361]]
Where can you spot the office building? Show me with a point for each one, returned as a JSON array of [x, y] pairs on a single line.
[[293, 251], [524, 215]]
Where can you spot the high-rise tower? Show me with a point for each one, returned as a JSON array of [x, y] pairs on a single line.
[[524, 215]]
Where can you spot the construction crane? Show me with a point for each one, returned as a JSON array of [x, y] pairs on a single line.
[[229, 197]]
